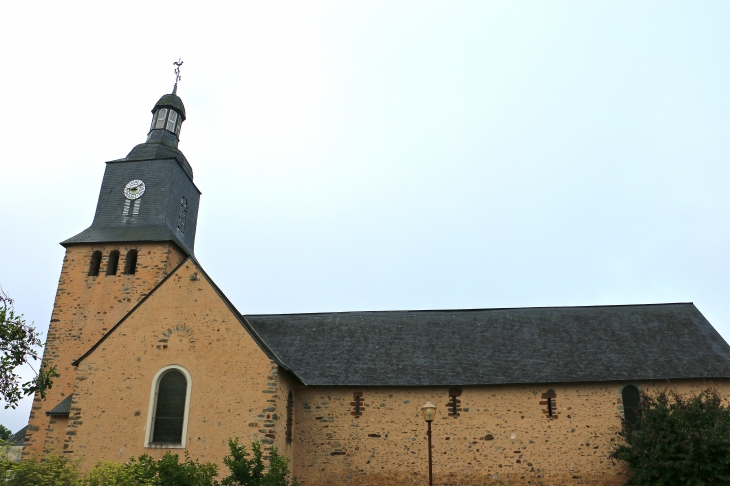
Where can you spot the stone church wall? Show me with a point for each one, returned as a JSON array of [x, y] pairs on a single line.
[[235, 387], [501, 435], [85, 308]]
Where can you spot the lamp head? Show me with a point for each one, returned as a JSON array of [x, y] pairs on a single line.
[[429, 411]]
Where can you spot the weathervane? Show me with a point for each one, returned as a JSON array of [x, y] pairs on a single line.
[[177, 73]]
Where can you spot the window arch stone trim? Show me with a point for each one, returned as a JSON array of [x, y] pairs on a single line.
[[150, 429]]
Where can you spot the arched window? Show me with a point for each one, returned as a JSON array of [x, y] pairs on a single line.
[[113, 263], [95, 264], [171, 121], [130, 264], [161, 114], [169, 405], [630, 398]]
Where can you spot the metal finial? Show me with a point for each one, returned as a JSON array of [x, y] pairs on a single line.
[[177, 74]]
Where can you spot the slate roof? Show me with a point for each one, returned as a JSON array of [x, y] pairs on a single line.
[[170, 101], [154, 151], [497, 346], [63, 408], [18, 438], [127, 233]]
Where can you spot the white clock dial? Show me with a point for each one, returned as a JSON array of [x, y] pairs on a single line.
[[134, 189]]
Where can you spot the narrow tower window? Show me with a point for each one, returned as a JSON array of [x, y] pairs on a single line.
[[454, 405], [161, 114], [630, 397], [127, 204], [548, 401], [289, 416], [135, 208], [95, 264], [130, 264], [171, 120], [357, 404], [182, 215], [113, 263]]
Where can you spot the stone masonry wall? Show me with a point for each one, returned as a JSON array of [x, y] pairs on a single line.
[[85, 308], [502, 435], [236, 390]]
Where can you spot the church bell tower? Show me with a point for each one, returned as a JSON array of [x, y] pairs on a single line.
[[144, 226]]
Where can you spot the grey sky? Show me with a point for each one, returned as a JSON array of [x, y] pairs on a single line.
[[388, 155]]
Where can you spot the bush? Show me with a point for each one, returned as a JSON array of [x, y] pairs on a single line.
[[678, 440], [52, 471], [110, 474], [145, 471], [250, 472]]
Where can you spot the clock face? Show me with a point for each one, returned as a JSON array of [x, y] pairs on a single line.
[[134, 189]]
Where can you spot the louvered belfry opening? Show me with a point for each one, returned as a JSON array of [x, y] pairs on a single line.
[[112, 263], [630, 397], [95, 264], [170, 408], [130, 264]]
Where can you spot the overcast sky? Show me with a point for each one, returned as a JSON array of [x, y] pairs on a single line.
[[387, 155]]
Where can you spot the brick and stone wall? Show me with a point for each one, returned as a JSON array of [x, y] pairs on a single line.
[[85, 308], [502, 435], [236, 390]]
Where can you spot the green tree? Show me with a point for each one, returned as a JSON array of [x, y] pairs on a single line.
[[678, 440], [19, 344], [251, 471], [5, 433]]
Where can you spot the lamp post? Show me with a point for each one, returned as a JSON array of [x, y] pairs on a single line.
[[429, 413]]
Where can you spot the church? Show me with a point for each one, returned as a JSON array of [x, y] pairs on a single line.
[[153, 357]]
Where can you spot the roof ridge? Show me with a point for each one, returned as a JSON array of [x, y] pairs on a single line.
[[476, 309]]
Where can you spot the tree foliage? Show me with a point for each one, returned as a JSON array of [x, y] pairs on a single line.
[[19, 344], [52, 471], [678, 440], [5, 433], [251, 472]]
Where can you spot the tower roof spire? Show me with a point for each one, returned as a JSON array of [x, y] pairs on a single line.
[[177, 73]]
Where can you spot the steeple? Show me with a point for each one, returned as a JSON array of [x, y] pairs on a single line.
[[149, 195]]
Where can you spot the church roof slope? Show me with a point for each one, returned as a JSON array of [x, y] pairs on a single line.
[[18, 438], [497, 346]]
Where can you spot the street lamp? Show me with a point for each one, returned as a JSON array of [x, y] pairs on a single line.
[[429, 413]]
